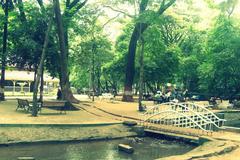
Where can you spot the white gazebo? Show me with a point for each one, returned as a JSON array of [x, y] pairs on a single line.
[[24, 78]]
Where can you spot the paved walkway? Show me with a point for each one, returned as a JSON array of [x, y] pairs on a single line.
[[48, 116], [100, 111], [89, 113]]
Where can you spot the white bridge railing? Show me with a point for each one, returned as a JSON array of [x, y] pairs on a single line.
[[181, 115]]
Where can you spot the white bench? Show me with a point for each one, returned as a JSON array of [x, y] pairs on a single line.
[[107, 96]]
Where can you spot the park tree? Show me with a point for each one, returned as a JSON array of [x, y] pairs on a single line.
[[90, 50], [193, 55], [113, 71], [6, 6], [72, 7], [219, 73], [27, 41], [39, 74], [64, 20], [139, 28], [161, 59]]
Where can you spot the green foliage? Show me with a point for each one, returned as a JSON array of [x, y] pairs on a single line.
[[176, 49], [161, 61], [219, 73], [90, 44], [27, 37], [193, 54]]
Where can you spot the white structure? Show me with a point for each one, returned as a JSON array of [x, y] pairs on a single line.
[[22, 81], [182, 115]]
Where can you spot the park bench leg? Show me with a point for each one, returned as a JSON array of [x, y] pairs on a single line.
[[26, 108], [17, 107]]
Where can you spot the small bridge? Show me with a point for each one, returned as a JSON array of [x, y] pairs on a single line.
[[184, 118]]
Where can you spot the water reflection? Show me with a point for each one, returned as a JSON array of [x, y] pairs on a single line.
[[145, 149]]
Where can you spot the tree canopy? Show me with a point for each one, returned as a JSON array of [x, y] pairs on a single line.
[[183, 45]]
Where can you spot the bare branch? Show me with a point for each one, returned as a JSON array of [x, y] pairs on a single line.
[[80, 6], [40, 2], [21, 11], [118, 10], [67, 3], [143, 5], [110, 20], [74, 7], [164, 6], [230, 11], [75, 3]]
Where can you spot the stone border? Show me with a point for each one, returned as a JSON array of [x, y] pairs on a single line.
[[208, 149], [58, 125], [63, 140]]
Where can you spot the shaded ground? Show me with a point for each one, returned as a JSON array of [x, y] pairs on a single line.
[[48, 116]]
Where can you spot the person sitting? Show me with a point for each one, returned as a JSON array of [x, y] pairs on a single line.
[[212, 102], [59, 94], [158, 97], [169, 96]]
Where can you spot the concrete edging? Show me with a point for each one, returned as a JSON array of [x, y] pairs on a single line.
[[63, 140], [59, 125]]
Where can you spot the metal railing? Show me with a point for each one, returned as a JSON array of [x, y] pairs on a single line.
[[181, 115]]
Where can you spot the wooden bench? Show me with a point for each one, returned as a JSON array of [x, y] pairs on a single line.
[[23, 104], [26, 105], [55, 104]]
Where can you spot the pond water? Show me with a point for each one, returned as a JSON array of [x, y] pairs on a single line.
[[144, 149]]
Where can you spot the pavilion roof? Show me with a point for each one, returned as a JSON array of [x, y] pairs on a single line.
[[26, 76]]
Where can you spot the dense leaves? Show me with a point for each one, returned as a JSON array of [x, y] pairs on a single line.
[[177, 49]]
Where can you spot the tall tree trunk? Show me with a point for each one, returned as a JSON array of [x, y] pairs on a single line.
[[22, 15], [130, 69], [41, 85], [40, 72], [139, 29], [93, 69], [98, 80], [106, 86], [65, 84], [35, 74], [4, 50], [140, 105]]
